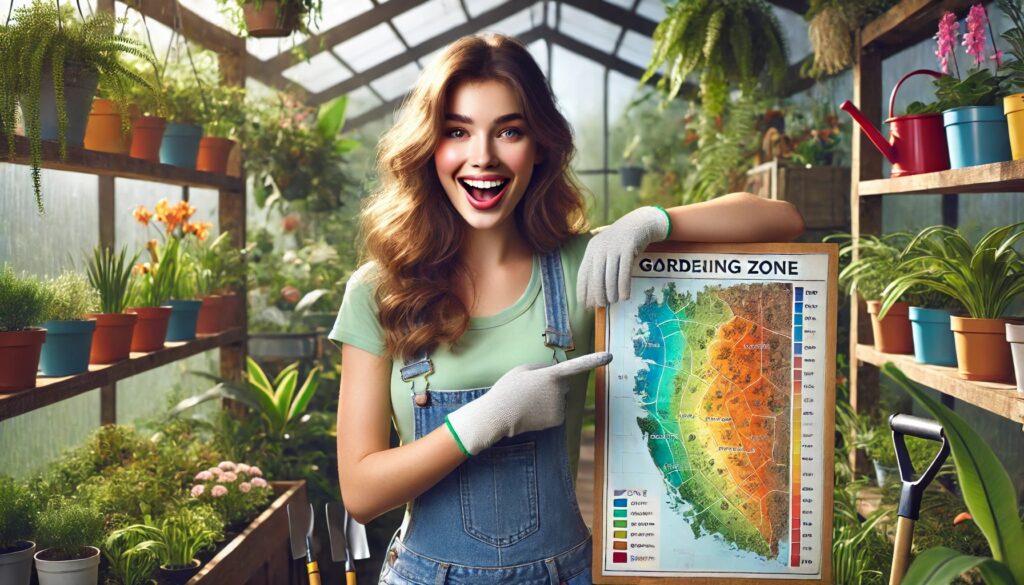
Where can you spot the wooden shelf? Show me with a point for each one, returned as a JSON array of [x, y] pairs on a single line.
[[1004, 177], [1001, 399], [907, 23], [52, 390], [80, 160]]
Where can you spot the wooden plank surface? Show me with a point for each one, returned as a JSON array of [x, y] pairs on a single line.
[[80, 160], [52, 390], [1001, 399], [908, 23], [1003, 177]]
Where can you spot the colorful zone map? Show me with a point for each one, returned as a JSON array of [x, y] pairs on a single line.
[[716, 401]]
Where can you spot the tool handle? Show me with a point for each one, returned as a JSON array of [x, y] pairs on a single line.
[[913, 489], [350, 578], [313, 570], [916, 427], [901, 550]]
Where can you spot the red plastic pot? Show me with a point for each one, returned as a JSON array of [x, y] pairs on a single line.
[[151, 328], [211, 315], [19, 358], [112, 341]]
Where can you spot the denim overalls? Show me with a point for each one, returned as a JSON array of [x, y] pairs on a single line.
[[508, 514]]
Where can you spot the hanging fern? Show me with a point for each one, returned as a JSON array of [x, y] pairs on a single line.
[[729, 42], [724, 150]]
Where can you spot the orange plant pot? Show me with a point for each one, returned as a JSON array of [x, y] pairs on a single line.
[[893, 334], [103, 131], [112, 341], [19, 358], [211, 315], [151, 328], [213, 154], [265, 22], [982, 352], [147, 134]]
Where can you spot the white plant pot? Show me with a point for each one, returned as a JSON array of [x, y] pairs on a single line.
[[16, 567], [74, 572], [1015, 335]]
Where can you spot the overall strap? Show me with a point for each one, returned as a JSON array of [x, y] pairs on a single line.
[[557, 331]]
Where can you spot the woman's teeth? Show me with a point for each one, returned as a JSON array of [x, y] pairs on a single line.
[[483, 184], [483, 190]]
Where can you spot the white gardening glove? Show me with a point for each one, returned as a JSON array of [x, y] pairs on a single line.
[[603, 278], [527, 398]]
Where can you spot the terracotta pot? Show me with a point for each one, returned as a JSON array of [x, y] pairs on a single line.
[[982, 352], [893, 334], [103, 131], [213, 154], [151, 328], [211, 315], [266, 22], [147, 135], [112, 341], [234, 309], [19, 358]]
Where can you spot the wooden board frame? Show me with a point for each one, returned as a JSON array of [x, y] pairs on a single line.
[[831, 250]]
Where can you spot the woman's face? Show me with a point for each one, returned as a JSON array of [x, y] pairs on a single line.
[[486, 155]]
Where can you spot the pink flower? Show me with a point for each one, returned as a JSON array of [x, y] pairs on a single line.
[[244, 487], [218, 491], [197, 490], [243, 468], [997, 57], [229, 476], [255, 471], [204, 476], [226, 466], [949, 28], [259, 482], [216, 471], [974, 38]]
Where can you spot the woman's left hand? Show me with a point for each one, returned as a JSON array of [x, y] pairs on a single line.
[[604, 273]]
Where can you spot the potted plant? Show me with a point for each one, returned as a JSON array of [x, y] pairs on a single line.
[[68, 533], [209, 266], [175, 541], [152, 286], [109, 128], [69, 331], [58, 59], [1015, 337], [150, 121], [272, 18], [984, 279], [110, 274], [237, 491], [17, 516], [23, 304], [831, 26], [1013, 70], [631, 173], [223, 116], [184, 102], [126, 562]]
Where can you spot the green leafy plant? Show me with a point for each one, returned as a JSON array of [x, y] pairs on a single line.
[[214, 264], [67, 527], [110, 274], [17, 514], [159, 280], [730, 42], [309, 10], [23, 300], [71, 297], [177, 538], [876, 265], [831, 26], [984, 278], [128, 564], [1013, 69], [724, 151], [979, 88], [45, 36], [990, 497]]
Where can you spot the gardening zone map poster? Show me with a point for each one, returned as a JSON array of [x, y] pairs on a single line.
[[716, 417]]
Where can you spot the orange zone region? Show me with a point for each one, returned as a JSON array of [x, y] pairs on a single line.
[[739, 410]]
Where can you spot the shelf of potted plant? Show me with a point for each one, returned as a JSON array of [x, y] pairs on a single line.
[[1001, 177]]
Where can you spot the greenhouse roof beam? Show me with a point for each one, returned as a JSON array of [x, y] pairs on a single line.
[[610, 61], [615, 15], [193, 27], [423, 49]]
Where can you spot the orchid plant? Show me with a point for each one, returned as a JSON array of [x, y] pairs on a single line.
[[978, 86]]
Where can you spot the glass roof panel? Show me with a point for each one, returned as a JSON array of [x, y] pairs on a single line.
[[396, 83], [212, 11], [627, 4], [370, 48], [636, 48], [319, 73], [520, 22], [478, 7], [266, 48], [652, 9], [361, 100], [335, 13], [589, 29], [429, 20], [539, 50]]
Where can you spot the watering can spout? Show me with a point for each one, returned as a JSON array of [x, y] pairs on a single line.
[[872, 133]]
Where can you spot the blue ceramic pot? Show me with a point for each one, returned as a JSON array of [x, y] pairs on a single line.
[[66, 350], [180, 145], [933, 339], [79, 89], [184, 315], [976, 135]]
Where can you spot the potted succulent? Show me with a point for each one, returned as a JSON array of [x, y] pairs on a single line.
[[110, 274], [17, 516], [23, 304], [272, 18], [223, 116], [58, 59], [68, 533], [175, 541], [69, 330], [984, 279]]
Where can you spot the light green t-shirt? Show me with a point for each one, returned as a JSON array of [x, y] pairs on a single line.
[[490, 347]]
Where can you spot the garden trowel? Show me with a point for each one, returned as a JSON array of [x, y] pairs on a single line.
[[348, 539], [300, 533]]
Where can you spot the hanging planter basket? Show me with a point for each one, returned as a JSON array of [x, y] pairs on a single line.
[[271, 19]]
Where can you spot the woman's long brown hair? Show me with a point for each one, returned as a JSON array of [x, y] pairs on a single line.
[[412, 231]]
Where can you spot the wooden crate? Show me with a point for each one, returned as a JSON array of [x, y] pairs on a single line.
[[261, 554], [822, 194]]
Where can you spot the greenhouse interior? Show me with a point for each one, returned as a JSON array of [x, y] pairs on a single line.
[[755, 263]]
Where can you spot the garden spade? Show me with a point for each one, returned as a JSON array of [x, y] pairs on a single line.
[[300, 533], [910, 494], [348, 539]]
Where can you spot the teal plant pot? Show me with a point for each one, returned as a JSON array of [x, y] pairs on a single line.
[[66, 350], [933, 339], [79, 89], [976, 135], [180, 145], [184, 316]]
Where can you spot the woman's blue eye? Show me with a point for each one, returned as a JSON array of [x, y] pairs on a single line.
[[511, 132], [455, 133]]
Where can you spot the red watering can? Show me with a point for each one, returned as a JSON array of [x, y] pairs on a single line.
[[916, 144]]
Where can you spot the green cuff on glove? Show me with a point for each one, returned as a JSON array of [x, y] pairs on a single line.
[[668, 232], [455, 435]]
